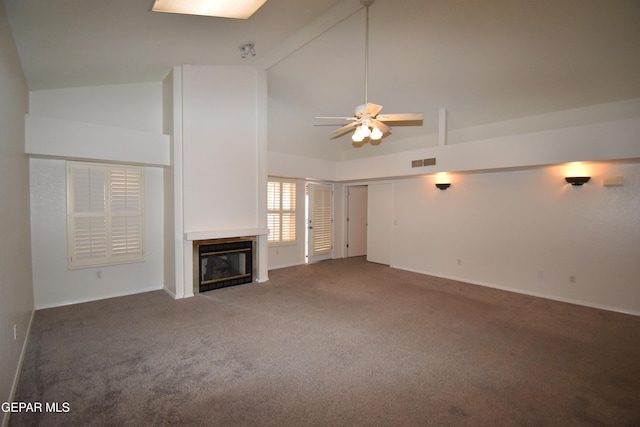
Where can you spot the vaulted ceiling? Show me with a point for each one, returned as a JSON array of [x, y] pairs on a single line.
[[484, 61]]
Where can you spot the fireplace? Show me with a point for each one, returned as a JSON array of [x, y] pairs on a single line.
[[223, 262]]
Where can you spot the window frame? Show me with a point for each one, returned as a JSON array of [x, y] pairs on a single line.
[[118, 202], [280, 212]]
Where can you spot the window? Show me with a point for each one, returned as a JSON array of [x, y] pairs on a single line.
[[104, 214], [281, 211]]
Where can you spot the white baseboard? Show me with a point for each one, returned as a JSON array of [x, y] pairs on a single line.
[[90, 299], [16, 376], [170, 292], [293, 264], [525, 292]]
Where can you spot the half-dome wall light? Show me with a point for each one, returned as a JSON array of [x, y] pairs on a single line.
[[577, 180]]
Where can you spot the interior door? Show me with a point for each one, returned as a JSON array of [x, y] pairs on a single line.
[[357, 220], [320, 222], [380, 220]]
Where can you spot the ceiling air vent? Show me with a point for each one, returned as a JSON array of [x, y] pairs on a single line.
[[423, 162]]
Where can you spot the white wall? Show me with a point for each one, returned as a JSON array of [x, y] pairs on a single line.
[[617, 139], [527, 231], [173, 236], [137, 108], [130, 106], [436, 228], [220, 148], [223, 178], [16, 303], [54, 284], [281, 164]]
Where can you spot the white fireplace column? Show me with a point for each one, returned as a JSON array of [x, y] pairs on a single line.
[[219, 171]]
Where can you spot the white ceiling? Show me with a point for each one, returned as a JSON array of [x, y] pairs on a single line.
[[484, 60]]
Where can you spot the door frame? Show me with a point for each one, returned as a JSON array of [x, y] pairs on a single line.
[[349, 228]]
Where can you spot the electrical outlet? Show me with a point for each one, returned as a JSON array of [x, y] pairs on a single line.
[[572, 279], [98, 274], [459, 261]]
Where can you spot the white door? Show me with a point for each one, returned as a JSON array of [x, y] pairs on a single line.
[[357, 220], [380, 223], [320, 222]]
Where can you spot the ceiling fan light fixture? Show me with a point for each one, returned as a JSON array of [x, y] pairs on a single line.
[[368, 125], [361, 133], [376, 133], [237, 9]]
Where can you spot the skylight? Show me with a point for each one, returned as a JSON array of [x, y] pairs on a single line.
[[238, 9]]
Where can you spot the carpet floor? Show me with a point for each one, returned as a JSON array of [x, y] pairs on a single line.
[[337, 343]]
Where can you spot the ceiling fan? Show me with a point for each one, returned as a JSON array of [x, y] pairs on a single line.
[[367, 121]]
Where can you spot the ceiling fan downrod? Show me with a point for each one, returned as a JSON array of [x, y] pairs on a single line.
[[366, 4]]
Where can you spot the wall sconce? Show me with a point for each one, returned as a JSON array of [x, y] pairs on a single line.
[[577, 180], [443, 181]]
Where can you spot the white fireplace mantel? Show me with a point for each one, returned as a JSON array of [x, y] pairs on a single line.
[[224, 234]]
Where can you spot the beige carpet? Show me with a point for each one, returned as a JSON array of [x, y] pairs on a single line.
[[337, 343]]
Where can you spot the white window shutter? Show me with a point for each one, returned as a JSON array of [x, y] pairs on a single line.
[[87, 219], [281, 211], [126, 214], [288, 215], [104, 214], [322, 219]]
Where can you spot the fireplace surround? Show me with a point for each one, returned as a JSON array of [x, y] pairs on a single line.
[[220, 263]]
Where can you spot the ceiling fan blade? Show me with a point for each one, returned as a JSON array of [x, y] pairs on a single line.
[[403, 117], [337, 118], [369, 109], [372, 109], [383, 127], [345, 128]]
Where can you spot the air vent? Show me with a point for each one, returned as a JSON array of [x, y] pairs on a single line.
[[423, 162]]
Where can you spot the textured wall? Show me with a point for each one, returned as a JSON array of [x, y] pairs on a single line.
[[527, 231], [137, 107], [16, 304]]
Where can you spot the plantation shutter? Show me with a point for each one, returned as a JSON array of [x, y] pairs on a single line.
[[104, 214], [281, 211], [273, 211], [322, 219], [126, 214], [87, 216], [288, 228]]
